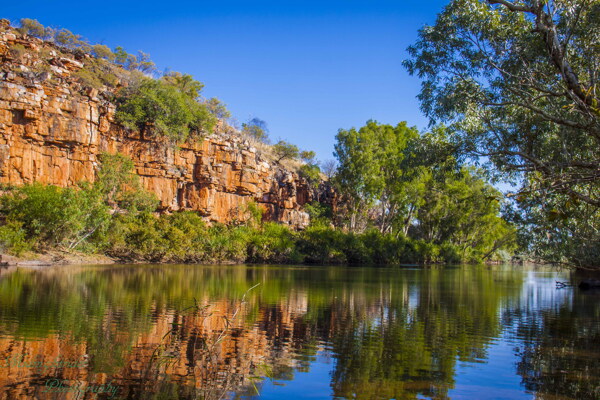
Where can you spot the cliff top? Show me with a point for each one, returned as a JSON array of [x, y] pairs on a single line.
[[35, 55]]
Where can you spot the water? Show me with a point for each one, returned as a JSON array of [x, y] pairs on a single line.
[[196, 332]]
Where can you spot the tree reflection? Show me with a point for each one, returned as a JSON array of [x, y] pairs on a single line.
[[169, 332], [560, 354]]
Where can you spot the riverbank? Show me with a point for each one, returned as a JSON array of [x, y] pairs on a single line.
[[54, 257]]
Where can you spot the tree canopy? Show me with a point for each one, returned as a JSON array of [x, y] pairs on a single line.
[[168, 107], [517, 83], [410, 184]]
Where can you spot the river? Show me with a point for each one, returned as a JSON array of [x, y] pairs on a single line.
[[283, 332]]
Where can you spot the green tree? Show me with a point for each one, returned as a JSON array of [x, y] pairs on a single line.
[[102, 51], [162, 107], [32, 27], [377, 167], [70, 40], [126, 60], [256, 128], [217, 108], [461, 212], [144, 63], [120, 186], [185, 83], [312, 173], [283, 150], [308, 156], [517, 82]]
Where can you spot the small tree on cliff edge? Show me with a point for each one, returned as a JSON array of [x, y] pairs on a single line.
[[257, 128], [283, 150]]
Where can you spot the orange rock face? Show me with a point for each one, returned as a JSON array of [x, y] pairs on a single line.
[[52, 131]]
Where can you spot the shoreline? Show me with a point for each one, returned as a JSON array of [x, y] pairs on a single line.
[[54, 258]]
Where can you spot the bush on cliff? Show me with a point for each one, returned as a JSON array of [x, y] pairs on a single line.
[[157, 106]]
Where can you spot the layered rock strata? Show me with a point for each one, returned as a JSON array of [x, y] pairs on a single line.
[[53, 130]]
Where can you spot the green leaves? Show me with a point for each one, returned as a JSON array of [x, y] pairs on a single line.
[[516, 82], [412, 185], [164, 107], [53, 216], [283, 150]]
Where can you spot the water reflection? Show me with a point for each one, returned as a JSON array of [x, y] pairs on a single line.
[[183, 332]]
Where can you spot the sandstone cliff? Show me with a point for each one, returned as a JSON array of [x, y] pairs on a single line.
[[53, 128]]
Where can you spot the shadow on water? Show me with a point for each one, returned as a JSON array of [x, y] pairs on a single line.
[[188, 332]]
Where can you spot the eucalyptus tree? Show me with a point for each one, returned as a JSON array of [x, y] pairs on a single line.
[[517, 82], [383, 169], [370, 172]]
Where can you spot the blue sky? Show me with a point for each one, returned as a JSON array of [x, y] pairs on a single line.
[[308, 68]]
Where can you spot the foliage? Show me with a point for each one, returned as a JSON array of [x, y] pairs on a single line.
[[409, 184], [76, 43], [558, 229], [461, 215], [256, 128], [217, 108], [378, 165], [184, 83], [88, 78], [53, 216], [16, 51], [13, 238], [517, 83], [272, 243], [283, 150], [158, 106], [32, 27], [121, 187], [308, 156], [102, 51], [70, 40], [319, 213], [141, 62], [312, 173]]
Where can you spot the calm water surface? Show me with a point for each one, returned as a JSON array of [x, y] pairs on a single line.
[[195, 332]]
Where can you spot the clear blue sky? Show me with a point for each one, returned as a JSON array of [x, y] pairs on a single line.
[[308, 68]]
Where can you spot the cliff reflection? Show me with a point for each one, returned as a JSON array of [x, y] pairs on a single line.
[[184, 332]]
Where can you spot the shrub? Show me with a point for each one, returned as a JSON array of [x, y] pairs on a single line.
[[17, 51], [312, 174], [319, 213], [102, 51], [54, 216], [161, 107], [322, 245], [32, 27], [217, 108], [272, 243], [226, 244], [88, 79], [121, 187], [184, 83], [13, 238]]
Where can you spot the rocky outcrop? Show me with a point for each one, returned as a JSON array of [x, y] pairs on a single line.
[[53, 130]]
